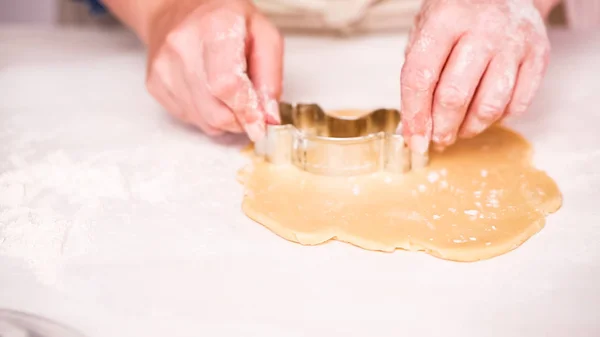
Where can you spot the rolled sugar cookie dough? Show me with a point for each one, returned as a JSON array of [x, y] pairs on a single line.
[[478, 199]]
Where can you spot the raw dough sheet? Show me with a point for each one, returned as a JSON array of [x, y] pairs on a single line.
[[478, 199]]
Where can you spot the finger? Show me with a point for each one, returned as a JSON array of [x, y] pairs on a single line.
[[412, 33], [160, 86], [266, 65], [167, 78], [420, 73], [185, 97], [225, 65], [213, 111], [456, 88], [217, 115], [529, 79], [165, 98], [207, 109], [493, 94]]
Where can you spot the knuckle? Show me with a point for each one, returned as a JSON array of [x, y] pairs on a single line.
[[154, 84], [451, 97], [179, 41], [174, 39], [545, 55], [539, 49], [519, 107], [159, 68], [157, 65], [417, 79], [489, 111], [541, 53]]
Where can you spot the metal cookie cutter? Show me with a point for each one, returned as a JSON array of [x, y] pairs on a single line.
[[321, 144]]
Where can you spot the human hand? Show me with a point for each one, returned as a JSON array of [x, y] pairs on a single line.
[[216, 64], [469, 63]]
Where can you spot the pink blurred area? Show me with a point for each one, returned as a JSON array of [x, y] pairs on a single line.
[[39, 12], [583, 14], [576, 14]]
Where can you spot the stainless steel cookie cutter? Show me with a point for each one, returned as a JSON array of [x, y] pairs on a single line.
[[322, 144]]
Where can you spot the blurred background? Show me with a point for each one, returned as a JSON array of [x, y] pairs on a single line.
[[288, 14]]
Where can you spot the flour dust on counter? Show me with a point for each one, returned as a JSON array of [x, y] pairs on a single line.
[[32, 226], [64, 197], [478, 199]]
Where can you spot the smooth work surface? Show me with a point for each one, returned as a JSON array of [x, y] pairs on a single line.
[[121, 222]]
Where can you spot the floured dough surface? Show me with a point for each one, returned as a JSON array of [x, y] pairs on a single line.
[[478, 199]]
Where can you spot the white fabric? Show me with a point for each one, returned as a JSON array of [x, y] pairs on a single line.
[[374, 15], [341, 15]]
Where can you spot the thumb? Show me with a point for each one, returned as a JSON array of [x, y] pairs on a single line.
[[265, 64]]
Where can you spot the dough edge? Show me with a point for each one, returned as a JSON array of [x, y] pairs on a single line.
[[459, 254]]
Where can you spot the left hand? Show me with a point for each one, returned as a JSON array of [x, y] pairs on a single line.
[[216, 65], [469, 63]]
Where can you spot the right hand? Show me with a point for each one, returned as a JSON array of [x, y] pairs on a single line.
[[470, 64], [216, 64]]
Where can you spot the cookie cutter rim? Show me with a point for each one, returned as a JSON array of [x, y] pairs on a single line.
[[311, 148]]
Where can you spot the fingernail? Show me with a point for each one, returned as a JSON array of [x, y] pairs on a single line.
[[399, 129], [272, 111], [445, 126], [255, 130], [270, 105], [439, 148], [479, 126], [443, 139], [473, 128], [419, 144]]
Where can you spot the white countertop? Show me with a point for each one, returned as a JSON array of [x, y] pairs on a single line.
[[131, 224]]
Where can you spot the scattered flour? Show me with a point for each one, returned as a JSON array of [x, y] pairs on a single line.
[[53, 200], [31, 228], [36, 235]]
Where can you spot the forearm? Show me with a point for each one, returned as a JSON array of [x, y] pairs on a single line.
[[137, 14], [545, 6]]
